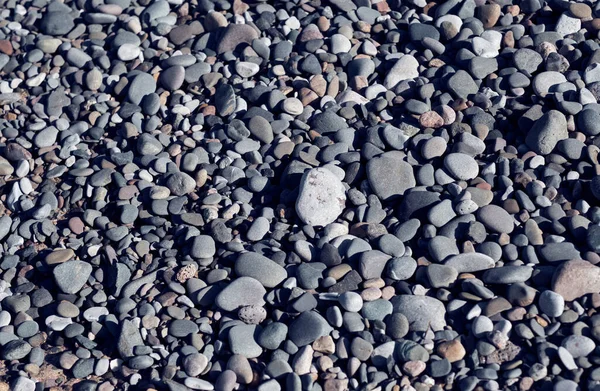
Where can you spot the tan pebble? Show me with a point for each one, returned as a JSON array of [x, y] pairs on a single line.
[[339, 271], [6, 47], [371, 294], [323, 23], [509, 39], [525, 384], [307, 96], [452, 350], [59, 256], [374, 283], [514, 10], [489, 14], [324, 344], [324, 363], [580, 10]]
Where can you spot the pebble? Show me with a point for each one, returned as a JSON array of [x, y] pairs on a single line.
[[261, 268], [547, 132], [241, 292], [406, 68], [551, 303], [389, 176], [422, 312], [321, 197], [461, 166], [586, 275], [71, 276]]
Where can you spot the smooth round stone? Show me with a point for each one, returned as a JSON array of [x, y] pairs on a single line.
[[292, 106], [273, 335], [27, 329], [307, 327], [578, 345], [321, 198], [16, 350], [67, 309], [481, 326], [411, 351], [241, 292], [441, 276], [580, 10], [142, 84], [507, 275], [434, 147], [57, 323], [340, 44], [391, 245], [261, 129], [461, 166], [527, 60], [173, 77], [462, 85], [242, 341], [141, 362], [195, 364], [71, 276], [252, 314], [547, 82], [389, 176], [261, 268], [470, 262], [180, 183], [234, 35], [406, 68], [397, 325], [551, 303], [496, 218], [351, 301], [547, 132], [258, 229], [246, 69], [128, 52], [23, 384], [182, 328], [377, 309], [198, 384], [402, 268], [93, 79], [57, 23]]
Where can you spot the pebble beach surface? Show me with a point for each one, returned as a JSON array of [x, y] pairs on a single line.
[[307, 195]]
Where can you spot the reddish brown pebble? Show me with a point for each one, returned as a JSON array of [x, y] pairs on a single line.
[[431, 119], [76, 225]]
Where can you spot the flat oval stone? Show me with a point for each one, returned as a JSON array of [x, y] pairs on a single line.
[[461, 166], [261, 268], [470, 262], [241, 292], [496, 218]]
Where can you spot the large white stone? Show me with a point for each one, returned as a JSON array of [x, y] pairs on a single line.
[[321, 198], [406, 68]]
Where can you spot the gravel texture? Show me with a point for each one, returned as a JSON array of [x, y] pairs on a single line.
[[320, 195]]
